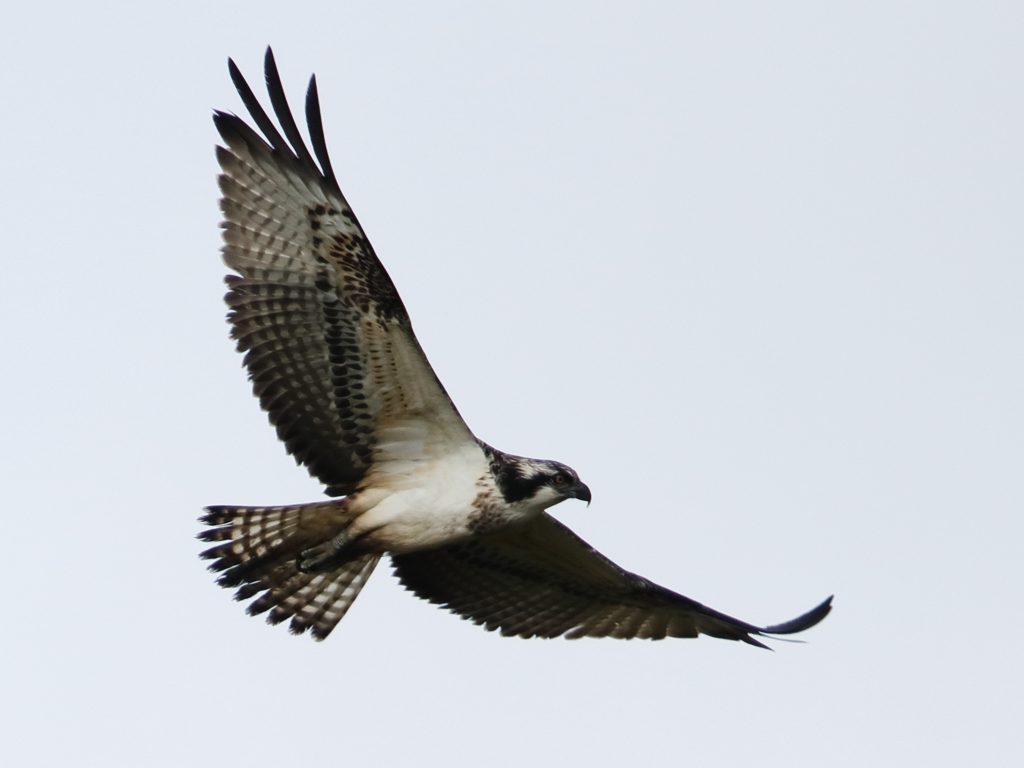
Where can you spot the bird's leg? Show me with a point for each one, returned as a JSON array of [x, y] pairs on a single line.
[[326, 556]]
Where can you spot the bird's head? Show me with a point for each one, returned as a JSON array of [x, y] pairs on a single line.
[[565, 483], [540, 483]]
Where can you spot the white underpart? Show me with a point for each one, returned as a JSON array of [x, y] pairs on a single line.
[[420, 492], [545, 497]]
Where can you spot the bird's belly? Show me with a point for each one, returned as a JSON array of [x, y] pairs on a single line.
[[411, 520], [411, 505]]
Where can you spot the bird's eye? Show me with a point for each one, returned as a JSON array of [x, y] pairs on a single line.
[[560, 480]]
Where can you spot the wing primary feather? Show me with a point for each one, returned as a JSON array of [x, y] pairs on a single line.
[[802, 622], [749, 640], [315, 125], [232, 127], [284, 112], [259, 115]]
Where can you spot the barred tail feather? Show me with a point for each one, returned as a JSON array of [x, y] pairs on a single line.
[[258, 552], [316, 601]]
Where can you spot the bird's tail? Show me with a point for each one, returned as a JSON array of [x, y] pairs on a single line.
[[266, 549]]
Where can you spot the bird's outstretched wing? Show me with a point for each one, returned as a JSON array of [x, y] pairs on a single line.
[[542, 580], [329, 346]]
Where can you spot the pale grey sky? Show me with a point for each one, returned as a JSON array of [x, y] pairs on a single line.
[[755, 270]]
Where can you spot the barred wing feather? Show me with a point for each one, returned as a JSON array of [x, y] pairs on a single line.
[[542, 580], [327, 341]]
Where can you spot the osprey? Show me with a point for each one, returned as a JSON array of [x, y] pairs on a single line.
[[334, 361]]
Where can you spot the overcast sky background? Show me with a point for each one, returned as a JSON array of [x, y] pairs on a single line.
[[755, 270]]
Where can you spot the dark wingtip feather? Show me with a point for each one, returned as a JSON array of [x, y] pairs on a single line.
[[227, 126], [259, 115], [315, 126], [279, 102], [755, 642], [802, 622], [234, 71], [291, 147]]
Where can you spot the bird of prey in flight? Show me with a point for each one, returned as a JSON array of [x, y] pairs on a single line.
[[334, 361]]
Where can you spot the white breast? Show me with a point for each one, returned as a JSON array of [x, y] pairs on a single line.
[[419, 503]]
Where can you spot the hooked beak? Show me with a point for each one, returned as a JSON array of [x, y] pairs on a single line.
[[582, 492]]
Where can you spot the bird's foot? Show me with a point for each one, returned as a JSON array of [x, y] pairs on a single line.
[[324, 557]]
